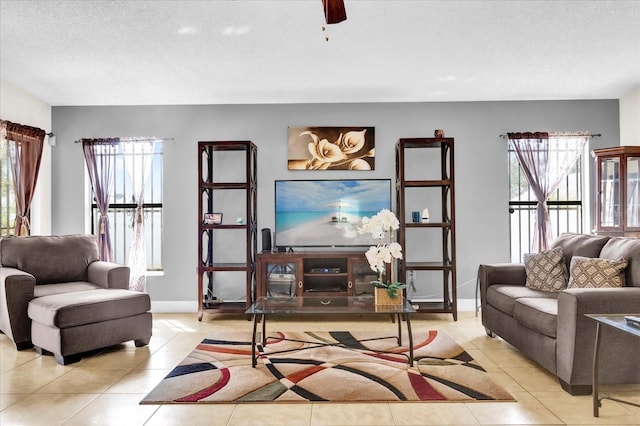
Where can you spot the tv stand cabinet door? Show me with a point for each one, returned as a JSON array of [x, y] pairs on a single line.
[[279, 275], [360, 277]]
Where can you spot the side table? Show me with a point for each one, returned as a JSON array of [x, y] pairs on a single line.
[[618, 322]]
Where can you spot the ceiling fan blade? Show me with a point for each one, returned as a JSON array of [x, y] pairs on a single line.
[[334, 11]]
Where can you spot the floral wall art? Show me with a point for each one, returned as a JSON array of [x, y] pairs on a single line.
[[331, 148]]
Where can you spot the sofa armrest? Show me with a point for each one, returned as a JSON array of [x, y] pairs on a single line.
[[576, 335], [16, 290], [499, 273], [108, 275], [502, 273]]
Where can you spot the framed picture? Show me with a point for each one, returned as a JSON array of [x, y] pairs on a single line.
[[331, 148], [213, 218]]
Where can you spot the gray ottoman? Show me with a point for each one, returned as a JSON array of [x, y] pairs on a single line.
[[69, 324]]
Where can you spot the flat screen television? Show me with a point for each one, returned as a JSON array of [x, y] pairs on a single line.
[[327, 213]]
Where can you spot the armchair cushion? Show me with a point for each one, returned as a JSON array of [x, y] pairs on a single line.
[[86, 307], [49, 289], [53, 259]]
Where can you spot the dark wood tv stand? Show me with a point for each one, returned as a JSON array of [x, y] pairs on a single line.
[[319, 273]]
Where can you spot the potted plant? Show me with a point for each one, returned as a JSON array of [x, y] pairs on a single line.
[[382, 227]]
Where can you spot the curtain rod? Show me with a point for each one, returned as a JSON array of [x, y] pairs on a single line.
[[591, 135], [131, 139]]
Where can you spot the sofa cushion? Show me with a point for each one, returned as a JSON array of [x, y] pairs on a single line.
[[579, 245], [87, 307], [503, 297], [537, 313], [596, 273], [546, 271], [50, 259], [629, 248]]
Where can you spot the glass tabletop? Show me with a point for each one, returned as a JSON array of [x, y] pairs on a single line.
[[326, 305], [617, 321]]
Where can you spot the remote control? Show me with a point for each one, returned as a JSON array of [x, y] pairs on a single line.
[[632, 320]]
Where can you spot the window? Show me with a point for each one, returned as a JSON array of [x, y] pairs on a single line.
[[565, 205], [7, 197], [122, 210]]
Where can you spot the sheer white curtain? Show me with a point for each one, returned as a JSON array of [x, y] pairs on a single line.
[[138, 155], [546, 159]]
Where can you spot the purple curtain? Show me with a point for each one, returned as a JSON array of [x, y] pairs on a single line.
[[25, 152], [546, 159], [99, 154]]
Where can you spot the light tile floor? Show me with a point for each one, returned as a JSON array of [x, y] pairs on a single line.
[[105, 388]]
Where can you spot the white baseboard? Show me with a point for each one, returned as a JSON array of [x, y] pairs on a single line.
[[181, 306], [178, 306]]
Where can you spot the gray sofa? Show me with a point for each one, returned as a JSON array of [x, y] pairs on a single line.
[[56, 295], [550, 327]]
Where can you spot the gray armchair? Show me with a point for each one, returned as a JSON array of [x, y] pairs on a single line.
[[45, 280]]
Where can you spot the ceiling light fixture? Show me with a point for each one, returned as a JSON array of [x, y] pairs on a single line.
[[334, 13]]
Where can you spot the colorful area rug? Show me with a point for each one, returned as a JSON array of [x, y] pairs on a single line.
[[300, 367]]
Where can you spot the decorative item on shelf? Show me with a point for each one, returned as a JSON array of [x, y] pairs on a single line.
[[212, 218], [415, 216], [379, 226], [239, 221], [438, 133], [425, 215]]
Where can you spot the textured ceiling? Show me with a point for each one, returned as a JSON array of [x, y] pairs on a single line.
[[233, 52]]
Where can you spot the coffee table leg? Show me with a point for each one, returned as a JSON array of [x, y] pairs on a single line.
[[264, 328], [399, 330], [410, 339], [254, 359], [594, 373]]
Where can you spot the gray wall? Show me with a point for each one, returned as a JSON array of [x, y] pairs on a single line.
[[480, 162]]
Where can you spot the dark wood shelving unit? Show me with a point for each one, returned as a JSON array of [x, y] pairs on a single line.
[[209, 299], [444, 229]]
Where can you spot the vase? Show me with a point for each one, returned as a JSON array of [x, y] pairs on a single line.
[[382, 297]]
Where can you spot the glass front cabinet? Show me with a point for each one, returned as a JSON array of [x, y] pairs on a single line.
[[617, 172]]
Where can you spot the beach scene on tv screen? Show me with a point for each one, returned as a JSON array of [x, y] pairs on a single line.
[[327, 212]]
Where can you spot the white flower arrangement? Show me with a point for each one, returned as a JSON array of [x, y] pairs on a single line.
[[380, 226]]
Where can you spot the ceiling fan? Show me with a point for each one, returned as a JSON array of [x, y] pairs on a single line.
[[334, 11]]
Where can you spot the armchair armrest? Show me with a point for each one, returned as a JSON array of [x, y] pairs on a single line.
[[576, 335], [108, 275], [16, 290]]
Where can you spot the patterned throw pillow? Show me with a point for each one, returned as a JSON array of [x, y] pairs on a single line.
[[587, 272], [546, 271]]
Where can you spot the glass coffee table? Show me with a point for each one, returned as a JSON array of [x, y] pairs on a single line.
[[323, 305], [619, 323]]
